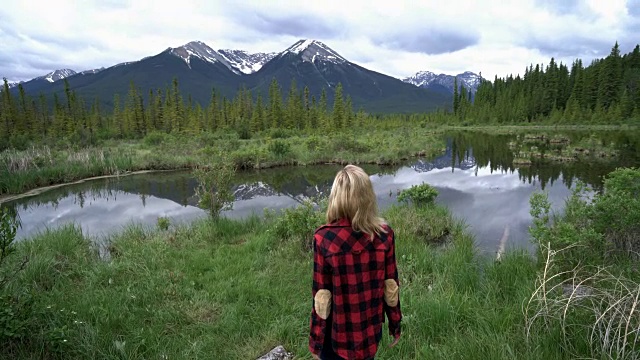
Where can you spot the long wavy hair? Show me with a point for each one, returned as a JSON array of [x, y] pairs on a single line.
[[352, 197]]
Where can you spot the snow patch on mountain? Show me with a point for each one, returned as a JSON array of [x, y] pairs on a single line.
[[468, 79], [12, 84], [202, 51], [312, 50], [92, 71], [56, 75], [245, 62]]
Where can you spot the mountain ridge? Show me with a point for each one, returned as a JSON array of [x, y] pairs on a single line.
[[199, 68], [430, 80]]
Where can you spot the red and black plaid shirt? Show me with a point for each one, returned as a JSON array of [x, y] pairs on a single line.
[[353, 268]]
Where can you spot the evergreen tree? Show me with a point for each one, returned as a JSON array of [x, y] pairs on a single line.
[[338, 108], [275, 105]]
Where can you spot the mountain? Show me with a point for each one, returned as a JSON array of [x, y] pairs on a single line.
[[313, 64], [199, 69], [246, 62], [56, 75], [48, 78], [429, 80]]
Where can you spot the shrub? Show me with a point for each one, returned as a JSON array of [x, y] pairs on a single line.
[[279, 148], [16, 305], [214, 182], [344, 142], [299, 224], [595, 228], [312, 143], [244, 133], [431, 224], [423, 194], [163, 223], [278, 133], [154, 138]]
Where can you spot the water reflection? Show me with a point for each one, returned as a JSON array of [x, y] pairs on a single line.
[[476, 179]]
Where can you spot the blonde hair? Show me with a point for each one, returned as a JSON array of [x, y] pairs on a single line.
[[352, 197]]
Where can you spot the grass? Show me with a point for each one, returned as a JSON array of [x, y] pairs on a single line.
[[43, 165], [230, 289]]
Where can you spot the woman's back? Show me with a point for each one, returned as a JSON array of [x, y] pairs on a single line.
[[355, 279], [357, 268]]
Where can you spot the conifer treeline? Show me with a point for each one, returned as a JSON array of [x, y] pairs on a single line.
[[138, 114], [608, 90]]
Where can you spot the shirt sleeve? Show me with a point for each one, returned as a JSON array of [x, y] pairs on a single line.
[[321, 280], [394, 314]]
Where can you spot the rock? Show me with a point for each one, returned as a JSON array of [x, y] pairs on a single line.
[[278, 353], [577, 291]]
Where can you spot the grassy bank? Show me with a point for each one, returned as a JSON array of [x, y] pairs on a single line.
[[235, 289], [228, 289], [54, 164]]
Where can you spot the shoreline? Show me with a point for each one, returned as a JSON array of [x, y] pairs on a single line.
[[39, 190], [43, 189]]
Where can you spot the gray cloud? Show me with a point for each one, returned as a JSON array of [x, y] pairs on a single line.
[[298, 22], [633, 8], [27, 61], [429, 41], [563, 7], [569, 46]]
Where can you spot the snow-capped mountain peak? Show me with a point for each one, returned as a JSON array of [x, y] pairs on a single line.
[[468, 79], [312, 50], [421, 78], [199, 49], [246, 62], [11, 84], [57, 75]]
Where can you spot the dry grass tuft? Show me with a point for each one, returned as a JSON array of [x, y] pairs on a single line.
[[590, 301]]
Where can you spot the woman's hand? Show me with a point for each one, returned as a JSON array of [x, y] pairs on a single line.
[[395, 341], [314, 356]]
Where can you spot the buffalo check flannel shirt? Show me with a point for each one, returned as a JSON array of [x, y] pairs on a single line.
[[353, 268]]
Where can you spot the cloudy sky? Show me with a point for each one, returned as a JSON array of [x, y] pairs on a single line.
[[399, 38]]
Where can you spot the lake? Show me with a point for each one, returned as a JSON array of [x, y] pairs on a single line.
[[476, 179]]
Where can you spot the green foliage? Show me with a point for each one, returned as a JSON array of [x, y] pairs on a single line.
[[596, 229], [313, 143], [164, 223], [8, 228], [279, 133], [279, 148], [351, 143], [214, 182], [616, 212], [423, 194], [298, 224], [154, 138], [432, 224], [15, 303]]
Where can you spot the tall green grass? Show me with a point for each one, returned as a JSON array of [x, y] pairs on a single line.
[[228, 289]]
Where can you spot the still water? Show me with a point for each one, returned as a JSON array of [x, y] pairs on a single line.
[[475, 177]]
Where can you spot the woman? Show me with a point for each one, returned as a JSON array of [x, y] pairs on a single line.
[[355, 279]]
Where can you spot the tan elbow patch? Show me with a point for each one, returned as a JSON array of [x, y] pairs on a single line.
[[391, 292], [322, 303]]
